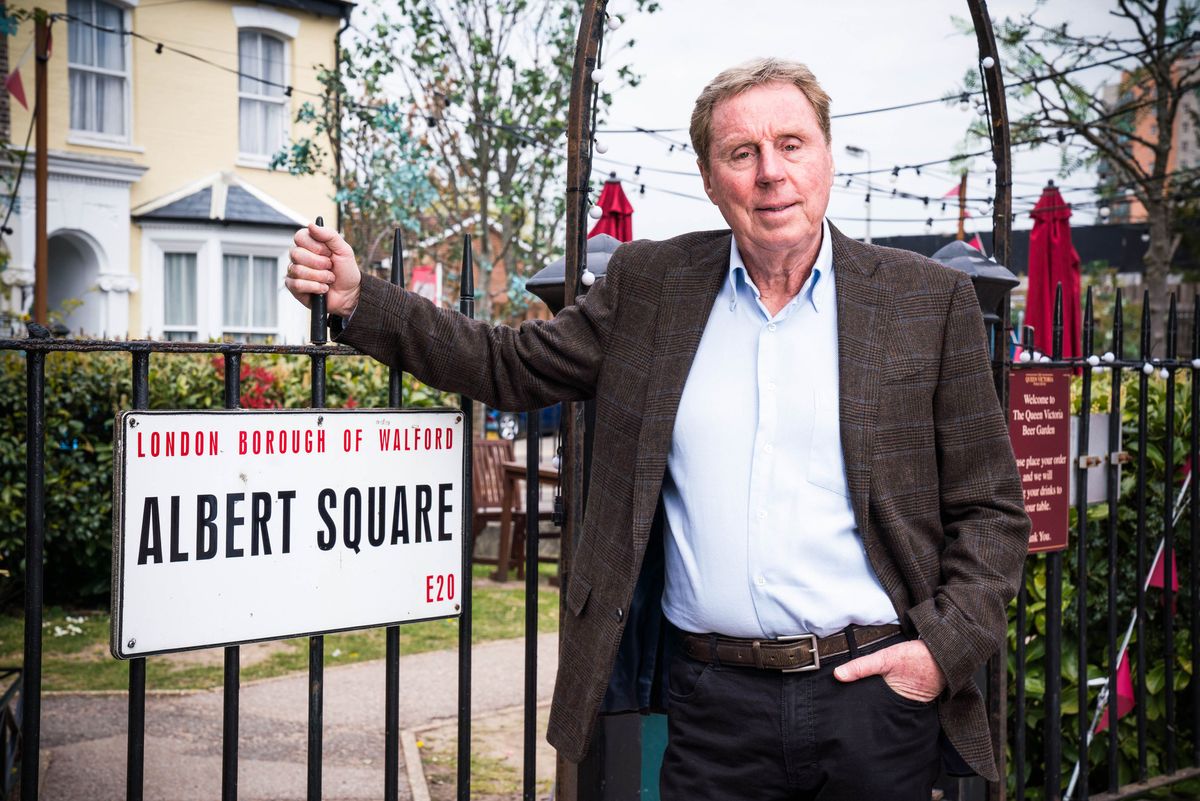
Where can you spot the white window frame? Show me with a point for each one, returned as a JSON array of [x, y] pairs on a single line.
[[167, 328], [211, 244], [263, 160], [242, 333], [81, 136]]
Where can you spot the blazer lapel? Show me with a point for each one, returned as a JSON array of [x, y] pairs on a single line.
[[689, 289], [862, 310]]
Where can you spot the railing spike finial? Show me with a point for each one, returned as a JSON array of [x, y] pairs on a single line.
[[397, 257]]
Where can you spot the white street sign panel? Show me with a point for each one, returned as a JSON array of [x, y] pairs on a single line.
[[234, 526]]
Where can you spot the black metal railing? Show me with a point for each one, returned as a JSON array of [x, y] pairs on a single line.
[[1135, 756], [27, 685]]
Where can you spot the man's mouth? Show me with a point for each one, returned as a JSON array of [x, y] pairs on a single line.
[[782, 207]]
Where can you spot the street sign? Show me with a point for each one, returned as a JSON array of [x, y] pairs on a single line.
[[234, 526]]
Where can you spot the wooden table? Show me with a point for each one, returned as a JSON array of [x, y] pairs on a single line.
[[514, 474]]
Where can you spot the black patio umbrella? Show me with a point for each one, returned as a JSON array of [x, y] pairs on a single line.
[[548, 283]]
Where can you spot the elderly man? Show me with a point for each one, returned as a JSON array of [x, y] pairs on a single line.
[[799, 431]]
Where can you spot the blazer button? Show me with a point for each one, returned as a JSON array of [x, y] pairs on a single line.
[[618, 613]]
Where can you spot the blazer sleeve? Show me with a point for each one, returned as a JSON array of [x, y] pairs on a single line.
[[530, 366], [982, 508]]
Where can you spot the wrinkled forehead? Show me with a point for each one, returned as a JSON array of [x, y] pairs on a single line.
[[765, 111]]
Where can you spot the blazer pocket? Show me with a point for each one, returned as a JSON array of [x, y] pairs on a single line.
[[578, 592]]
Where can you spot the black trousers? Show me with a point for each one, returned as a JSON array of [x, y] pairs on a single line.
[[744, 733]]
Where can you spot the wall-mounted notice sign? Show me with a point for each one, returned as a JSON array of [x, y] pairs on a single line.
[[1039, 427], [230, 527]]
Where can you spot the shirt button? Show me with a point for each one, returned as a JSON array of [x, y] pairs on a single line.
[[619, 613], [760, 581], [769, 448], [771, 327], [762, 514], [770, 386]]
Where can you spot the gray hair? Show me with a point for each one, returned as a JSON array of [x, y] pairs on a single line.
[[735, 80]]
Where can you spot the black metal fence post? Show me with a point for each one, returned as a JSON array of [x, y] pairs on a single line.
[[391, 701], [316, 645], [1113, 486], [1054, 580], [233, 653], [1168, 556], [136, 750], [1143, 388], [466, 305], [1081, 543], [35, 533]]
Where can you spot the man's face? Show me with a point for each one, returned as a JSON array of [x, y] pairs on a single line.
[[769, 169]]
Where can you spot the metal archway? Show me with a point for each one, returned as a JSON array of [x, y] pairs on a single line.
[[579, 167]]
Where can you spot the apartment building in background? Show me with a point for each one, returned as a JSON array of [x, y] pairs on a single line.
[[1185, 145], [165, 220]]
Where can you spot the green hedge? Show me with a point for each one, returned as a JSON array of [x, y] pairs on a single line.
[[84, 392]]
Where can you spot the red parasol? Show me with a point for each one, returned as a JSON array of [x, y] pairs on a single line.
[[617, 219], [1052, 261]]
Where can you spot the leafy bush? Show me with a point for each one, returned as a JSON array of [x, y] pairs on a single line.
[[84, 393]]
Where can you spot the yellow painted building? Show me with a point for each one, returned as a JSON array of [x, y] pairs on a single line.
[[164, 218]]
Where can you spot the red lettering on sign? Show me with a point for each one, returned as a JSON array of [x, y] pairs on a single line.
[[439, 588]]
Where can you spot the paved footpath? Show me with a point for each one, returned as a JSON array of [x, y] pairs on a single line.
[[84, 734]]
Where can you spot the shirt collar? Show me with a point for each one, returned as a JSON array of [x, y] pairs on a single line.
[[816, 291]]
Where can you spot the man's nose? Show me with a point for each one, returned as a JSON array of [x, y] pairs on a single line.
[[770, 167]]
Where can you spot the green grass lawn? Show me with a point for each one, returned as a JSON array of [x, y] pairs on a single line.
[[75, 653]]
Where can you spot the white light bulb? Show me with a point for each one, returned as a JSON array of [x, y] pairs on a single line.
[[1024, 357], [588, 278], [595, 212], [613, 22], [1145, 237], [1163, 373], [1196, 363], [1148, 368], [1109, 357], [1093, 360], [988, 62], [601, 147], [1045, 359], [597, 75], [981, 110], [556, 461], [1104, 212]]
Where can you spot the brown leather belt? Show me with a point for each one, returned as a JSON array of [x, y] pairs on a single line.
[[794, 654]]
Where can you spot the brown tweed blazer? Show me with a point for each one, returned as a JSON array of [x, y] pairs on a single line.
[[932, 479]]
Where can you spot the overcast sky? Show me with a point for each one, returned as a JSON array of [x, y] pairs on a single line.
[[867, 54]]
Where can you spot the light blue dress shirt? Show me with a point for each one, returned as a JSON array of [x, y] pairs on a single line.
[[761, 538]]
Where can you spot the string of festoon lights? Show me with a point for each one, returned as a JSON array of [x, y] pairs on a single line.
[[612, 22]]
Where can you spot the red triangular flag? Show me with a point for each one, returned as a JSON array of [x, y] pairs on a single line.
[[976, 243], [1125, 696], [16, 88], [13, 82], [1158, 573]]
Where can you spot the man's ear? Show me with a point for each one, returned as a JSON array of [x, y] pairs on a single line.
[[704, 177]]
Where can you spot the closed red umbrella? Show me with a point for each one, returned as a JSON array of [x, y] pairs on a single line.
[[1052, 261], [617, 217]]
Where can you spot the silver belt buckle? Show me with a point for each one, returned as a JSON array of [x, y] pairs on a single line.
[[812, 640]]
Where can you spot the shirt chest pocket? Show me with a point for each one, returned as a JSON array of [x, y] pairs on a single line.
[[826, 464]]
